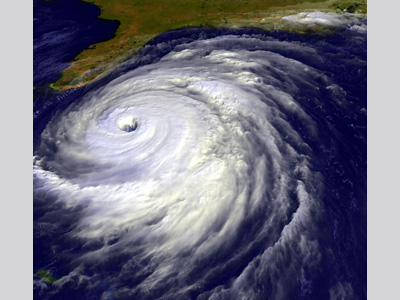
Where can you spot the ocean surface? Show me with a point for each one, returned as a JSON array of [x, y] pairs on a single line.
[[216, 164]]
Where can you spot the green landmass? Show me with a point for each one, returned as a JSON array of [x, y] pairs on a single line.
[[141, 21], [46, 276], [351, 6], [52, 86]]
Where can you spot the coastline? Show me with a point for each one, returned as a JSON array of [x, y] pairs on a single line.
[[101, 58]]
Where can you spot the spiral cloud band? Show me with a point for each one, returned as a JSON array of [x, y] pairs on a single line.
[[188, 176]]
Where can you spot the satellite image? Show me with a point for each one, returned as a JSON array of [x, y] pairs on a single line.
[[200, 149]]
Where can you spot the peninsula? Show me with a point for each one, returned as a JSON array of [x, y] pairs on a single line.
[[141, 21]]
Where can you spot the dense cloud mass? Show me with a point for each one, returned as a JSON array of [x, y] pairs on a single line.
[[322, 19], [187, 178]]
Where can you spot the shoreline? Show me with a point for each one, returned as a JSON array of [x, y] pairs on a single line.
[[101, 58]]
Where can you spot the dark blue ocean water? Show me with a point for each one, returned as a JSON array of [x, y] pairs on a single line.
[[63, 28]]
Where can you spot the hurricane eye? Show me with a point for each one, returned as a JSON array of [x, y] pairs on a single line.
[[130, 126]]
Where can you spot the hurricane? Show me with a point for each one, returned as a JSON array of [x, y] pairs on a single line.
[[196, 175]]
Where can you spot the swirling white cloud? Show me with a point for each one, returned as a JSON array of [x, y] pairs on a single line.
[[174, 158]]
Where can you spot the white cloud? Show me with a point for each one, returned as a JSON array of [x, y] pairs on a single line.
[[324, 19], [212, 149]]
